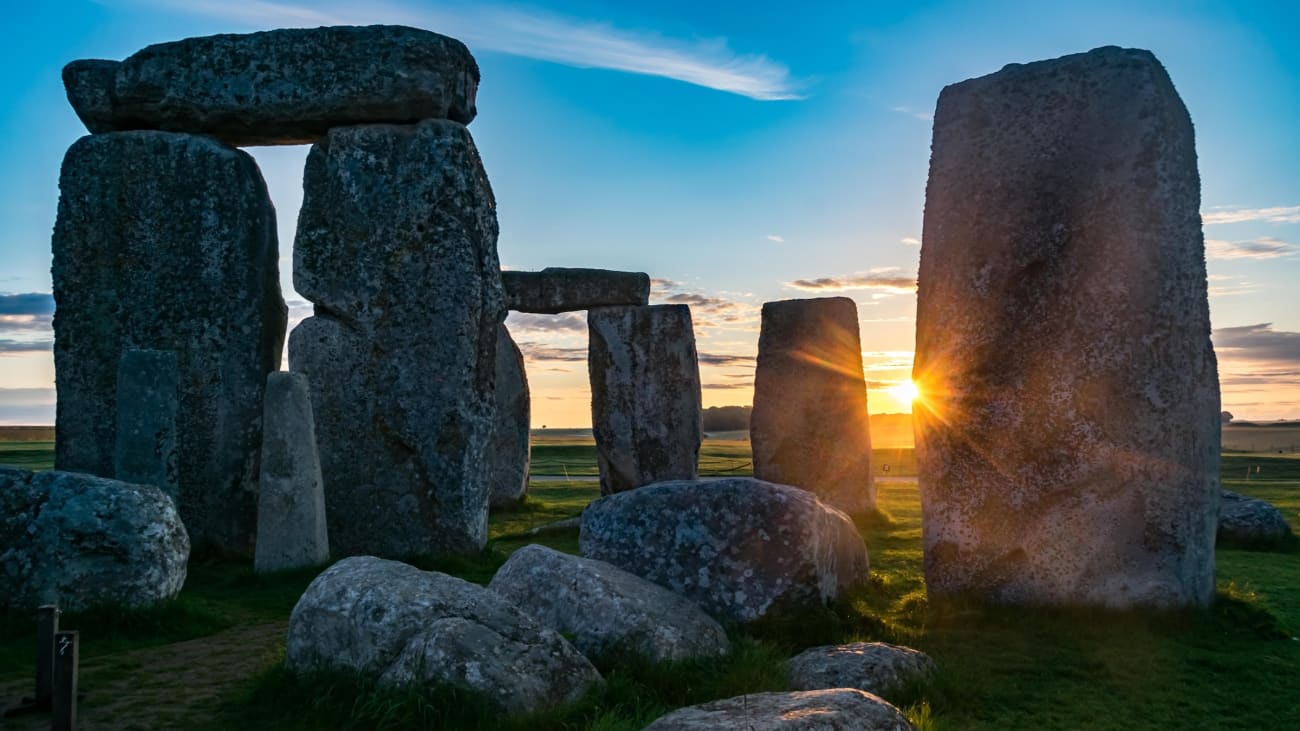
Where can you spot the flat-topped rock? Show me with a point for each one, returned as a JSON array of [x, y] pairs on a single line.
[[291, 528], [556, 289], [1068, 438], [508, 453], [839, 709], [279, 87]]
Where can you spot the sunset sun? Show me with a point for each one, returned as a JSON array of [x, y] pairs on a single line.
[[906, 392]]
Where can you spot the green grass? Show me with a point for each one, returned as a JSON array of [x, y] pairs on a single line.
[[28, 455]]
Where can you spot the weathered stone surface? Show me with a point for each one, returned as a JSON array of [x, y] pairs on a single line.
[[739, 547], [509, 451], [604, 610], [291, 530], [809, 426], [279, 87], [876, 667], [1068, 441], [396, 247], [645, 395], [1245, 520], [840, 709], [557, 289], [167, 242], [400, 625], [78, 541], [148, 403]]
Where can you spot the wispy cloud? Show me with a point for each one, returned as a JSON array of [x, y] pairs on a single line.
[[709, 63], [910, 241], [776, 238], [885, 282], [30, 303], [913, 113], [1261, 248], [1238, 214], [1258, 342], [14, 347], [726, 359], [524, 323], [707, 310], [537, 352]]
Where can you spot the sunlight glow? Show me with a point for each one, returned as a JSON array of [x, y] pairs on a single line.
[[906, 392]]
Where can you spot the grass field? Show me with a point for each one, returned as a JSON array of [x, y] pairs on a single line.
[[1235, 665]]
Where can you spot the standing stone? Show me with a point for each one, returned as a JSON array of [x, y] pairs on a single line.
[[645, 395], [1068, 434], [508, 453], [291, 530], [557, 289], [809, 426], [167, 241], [147, 405], [279, 87], [397, 249]]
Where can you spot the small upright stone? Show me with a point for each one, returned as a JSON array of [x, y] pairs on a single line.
[[166, 241], [1068, 435], [557, 289], [809, 426], [508, 452], [291, 531], [147, 405], [645, 395], [278, 87]]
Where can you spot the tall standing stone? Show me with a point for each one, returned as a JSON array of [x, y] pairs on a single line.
[[291, 530], [166, 241], [147, 406], [396, 247], [1068, 435], [509, 451], [809, 426], [645, 395]]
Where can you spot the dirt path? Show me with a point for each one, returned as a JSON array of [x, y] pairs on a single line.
[[161, 687]]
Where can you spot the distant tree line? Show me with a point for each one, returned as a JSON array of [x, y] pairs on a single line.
[[727, 418]]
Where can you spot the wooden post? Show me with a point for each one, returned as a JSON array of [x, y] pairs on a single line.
[[65, 682], [47, 624]]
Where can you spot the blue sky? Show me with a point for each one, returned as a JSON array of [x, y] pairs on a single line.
[[737, 152]]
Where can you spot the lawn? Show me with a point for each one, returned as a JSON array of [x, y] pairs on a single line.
[[1234, 665]]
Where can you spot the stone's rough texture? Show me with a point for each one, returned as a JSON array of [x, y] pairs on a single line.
[[738, 547], [809, 425], [148, 403], [508, 452], [606, 610], [167, 241], [871, 666], [397, 248], [839, 709], [291, 530], [400, 625], [1068, 444], [78, 541], [645, 395], [1245, 520], [280, 87], [556, 289]]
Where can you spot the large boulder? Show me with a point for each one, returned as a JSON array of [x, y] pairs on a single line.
[[80, 541], [645, 395], [167, 242], [839, 709], [279, 87], [397, 249], [508, 453], [557, 289], [876, 667], [291, 527], [604, 610], [148, 404], [1249, 521], [738, 547], [809, 425], [1068, 434], [400, 625]]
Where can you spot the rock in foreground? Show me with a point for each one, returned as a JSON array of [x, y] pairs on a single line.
[[840, 709], [279, 87], [400, 625], [875, 667], [80, 541], [1248, 521], [739, 547], [1068, 441], [605, 609]]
